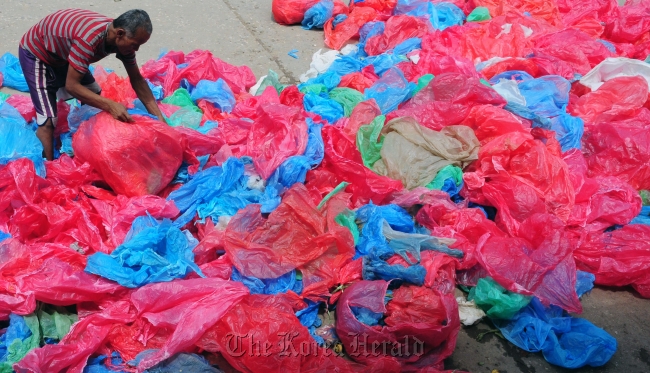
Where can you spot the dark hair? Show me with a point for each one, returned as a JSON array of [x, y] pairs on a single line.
[[132, 20]]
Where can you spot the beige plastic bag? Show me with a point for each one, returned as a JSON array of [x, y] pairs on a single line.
[[414, 154]]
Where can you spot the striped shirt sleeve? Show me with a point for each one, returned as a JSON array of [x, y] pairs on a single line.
[[80, 55]]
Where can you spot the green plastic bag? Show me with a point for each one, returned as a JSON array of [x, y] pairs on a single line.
[[645, 196], [424, 81], [185, 117], [348, 219], [56, 325], [181, 97], [447, 172], [271, 80], [369, 141], [495, 300], [479, 14], [347, 97], [317, 89], [4, 96]]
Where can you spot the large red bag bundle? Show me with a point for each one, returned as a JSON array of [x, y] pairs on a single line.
[[134, 159]]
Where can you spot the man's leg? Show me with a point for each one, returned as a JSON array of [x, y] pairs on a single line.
[[44, 101], [45, 133]]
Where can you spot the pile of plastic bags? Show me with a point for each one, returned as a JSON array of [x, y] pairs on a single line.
[[499, 147]]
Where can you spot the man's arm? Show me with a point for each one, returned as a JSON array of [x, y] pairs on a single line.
[[88, 97], [143, 91]]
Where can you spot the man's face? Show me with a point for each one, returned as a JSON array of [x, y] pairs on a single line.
[[127, 45]]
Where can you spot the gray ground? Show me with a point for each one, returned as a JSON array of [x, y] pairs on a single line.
[[242, 32]]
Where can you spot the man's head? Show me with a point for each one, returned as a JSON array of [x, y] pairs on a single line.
[[132, 29]]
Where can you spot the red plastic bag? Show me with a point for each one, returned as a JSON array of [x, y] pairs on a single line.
[[294, 235], [397, 29], [134, 159], [620, 148], [115, 87], [489, 122], [72, 352], [421, 323], [189, 306], [278, 344], [360, 80], [383, 7], [601, 202], [539, 9], [520, 176], [277, 133], [537, 261], [616, 99], [520, 64], [343, 162], [574, 47], [362, 114], [119, 213], [24, 106], [447, 100], [349, 28], [437, 65], [203, 65], [290, 12], [480, 42], [628, 24], [618, 258]]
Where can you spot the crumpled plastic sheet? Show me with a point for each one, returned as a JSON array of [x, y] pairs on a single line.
[[565, 341], [12, 73], [18, 140], [153, 251]]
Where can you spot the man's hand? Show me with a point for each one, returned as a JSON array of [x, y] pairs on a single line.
[[143, 91], [118, 111]]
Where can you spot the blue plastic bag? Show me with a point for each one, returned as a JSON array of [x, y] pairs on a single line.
[[372, 239], [12, 73], [564, 340], [79, 114], [390, 91], [4, 236], [156, 90], [584, 282], [376, 269], [546, 96], [218, 93], [18, 140], [383, 62], [568, 131], [278, 285], [153, 251], [446, 15], [326, 108], [407, 46], [643, 217], [98, 364], [317, 15], [308, 317], [215, 192]]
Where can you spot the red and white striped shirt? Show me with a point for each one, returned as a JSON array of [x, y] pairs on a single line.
[[73, 36]]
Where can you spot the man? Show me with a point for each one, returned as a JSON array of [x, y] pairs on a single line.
[[55, 55]]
